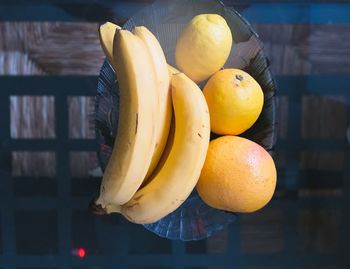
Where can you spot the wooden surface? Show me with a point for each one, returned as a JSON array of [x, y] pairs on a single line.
[[49, 48], [319, 114], [296, 49], [32, 116], [261, 227]]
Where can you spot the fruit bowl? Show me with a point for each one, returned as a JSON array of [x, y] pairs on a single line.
[[193, 220]]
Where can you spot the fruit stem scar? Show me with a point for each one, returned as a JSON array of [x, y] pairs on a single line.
[[137, 122], [97, 209], [239, 77]]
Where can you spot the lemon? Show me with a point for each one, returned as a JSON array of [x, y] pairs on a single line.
[[235, 101], [203, 47], [238, 175]]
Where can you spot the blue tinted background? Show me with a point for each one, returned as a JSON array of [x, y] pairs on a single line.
[[44, 217]]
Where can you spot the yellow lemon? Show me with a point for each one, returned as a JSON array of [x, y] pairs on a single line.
[[203, 47], [238, 175], [235, 101]]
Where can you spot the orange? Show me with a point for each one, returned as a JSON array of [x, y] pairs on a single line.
[[238, 175], [235, 101]]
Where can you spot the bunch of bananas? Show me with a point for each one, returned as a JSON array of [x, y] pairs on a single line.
[[163, 130]]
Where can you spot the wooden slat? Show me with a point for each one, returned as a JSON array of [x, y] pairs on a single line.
[[32, 116], [262, 232], [282, 116], [329, 161], [283, 49], [318, 114], [329, 48], [319, 231], [80, 112], [51, 48], [218, 243], [306, 49], [83, 164], [16, 62], [323, 194], [33, 164], [280, 159]]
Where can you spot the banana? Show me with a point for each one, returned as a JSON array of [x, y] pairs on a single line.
[[165, 154], [106, 34], [163, 80], [172, 70], [134, 145], [176, 179]]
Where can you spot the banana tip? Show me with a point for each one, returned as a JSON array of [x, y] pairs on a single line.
[[97, 209]]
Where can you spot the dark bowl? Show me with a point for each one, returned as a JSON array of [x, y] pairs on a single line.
[[194, 220]]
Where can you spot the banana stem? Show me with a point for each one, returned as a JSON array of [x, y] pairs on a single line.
[[113, 209], [96, 208]]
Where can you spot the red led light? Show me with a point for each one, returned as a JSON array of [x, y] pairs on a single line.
[[81, 252]]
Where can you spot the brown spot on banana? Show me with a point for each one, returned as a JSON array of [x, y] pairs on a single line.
[[138, 197], [131, 206], [199, 135], [137, 122]]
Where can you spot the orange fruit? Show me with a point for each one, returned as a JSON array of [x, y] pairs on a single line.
[[238, 175], [235, 101]]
